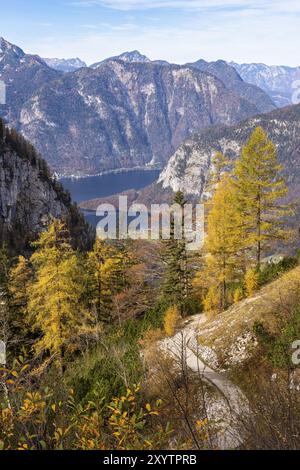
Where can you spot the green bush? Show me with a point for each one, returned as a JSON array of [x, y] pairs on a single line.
[[271, 271], [102, 371]]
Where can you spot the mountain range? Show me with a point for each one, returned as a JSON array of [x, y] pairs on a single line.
[[121, 113], [281, 83], [128, 111]]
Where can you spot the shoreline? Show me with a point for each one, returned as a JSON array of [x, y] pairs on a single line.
[[107, 172]]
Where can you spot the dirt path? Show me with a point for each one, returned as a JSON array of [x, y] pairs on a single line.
[[186, 340]]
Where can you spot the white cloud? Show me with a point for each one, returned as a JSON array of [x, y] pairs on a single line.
[[264, 31], [272, 39], [292, 6]]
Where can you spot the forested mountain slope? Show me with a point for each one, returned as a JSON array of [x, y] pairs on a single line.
[[30, 197]]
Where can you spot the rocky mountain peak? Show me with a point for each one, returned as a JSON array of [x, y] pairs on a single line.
[[13, 56], [9, 49], [133, 56], [130, 57]]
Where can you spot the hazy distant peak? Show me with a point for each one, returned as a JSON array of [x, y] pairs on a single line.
[[133, 56], [65, 65]]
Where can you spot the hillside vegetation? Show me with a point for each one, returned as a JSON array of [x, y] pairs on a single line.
[[138, 344], [231, 334]]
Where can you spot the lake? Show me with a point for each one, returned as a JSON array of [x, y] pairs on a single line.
[[92, 187]]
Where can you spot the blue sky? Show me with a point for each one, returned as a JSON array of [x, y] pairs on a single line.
[[176, 30]]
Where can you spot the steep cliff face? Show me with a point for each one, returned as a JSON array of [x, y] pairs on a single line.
[[29, 197], [188, 168], [233, 81]]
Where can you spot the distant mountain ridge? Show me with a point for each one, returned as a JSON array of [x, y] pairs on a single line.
[[65, 65], [233, 81], [277, 81], [129, 57], [125, 115]]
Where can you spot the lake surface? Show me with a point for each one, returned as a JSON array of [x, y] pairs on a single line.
[[83, 189], [92, 187]]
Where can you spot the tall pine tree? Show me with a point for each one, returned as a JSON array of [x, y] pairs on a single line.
[[177, 284]]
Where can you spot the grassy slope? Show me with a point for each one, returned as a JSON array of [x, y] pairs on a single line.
[[222, 333]]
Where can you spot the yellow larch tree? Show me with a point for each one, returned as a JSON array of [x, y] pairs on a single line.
[[260, 189], [19, 278], [107, 267], [222, 242], [55, 307]]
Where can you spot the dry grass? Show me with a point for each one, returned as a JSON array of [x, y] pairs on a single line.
[[222, 331]]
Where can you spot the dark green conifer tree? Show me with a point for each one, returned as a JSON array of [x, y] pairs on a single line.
[[177, 284]]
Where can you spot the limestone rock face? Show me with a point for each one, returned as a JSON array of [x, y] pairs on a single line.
[[29, 198], [24, 198], [188, 168]]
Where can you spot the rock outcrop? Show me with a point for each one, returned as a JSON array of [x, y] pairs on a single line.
[[30, 197]]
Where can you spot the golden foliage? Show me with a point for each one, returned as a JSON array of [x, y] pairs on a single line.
[[251, 281], [260, 189], [238, 295], [35, 419], [171, 320]]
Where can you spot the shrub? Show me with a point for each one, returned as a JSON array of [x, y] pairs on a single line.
[[238, 295], [212, 300], [251, 281], [271, 271], [171, 320]]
